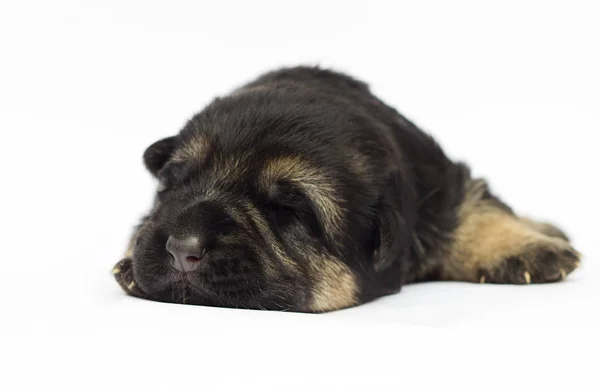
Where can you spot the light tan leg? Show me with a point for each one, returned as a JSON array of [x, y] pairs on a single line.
[[493, 245]]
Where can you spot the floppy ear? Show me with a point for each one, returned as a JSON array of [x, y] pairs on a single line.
[[392, 235], [157, 154]]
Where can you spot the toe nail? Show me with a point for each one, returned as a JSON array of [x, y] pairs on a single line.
[[482, 279], [527, 277], [116, 270], [563, 273], [131, 285]]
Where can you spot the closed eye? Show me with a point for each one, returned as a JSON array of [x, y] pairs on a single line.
[[290, 206]]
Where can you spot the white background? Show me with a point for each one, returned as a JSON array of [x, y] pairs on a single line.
[[513, 88]]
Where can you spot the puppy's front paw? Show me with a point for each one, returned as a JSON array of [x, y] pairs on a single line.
[[123, 272], [544, 261]]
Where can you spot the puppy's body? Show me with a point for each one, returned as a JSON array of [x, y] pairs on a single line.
[[302, 191]]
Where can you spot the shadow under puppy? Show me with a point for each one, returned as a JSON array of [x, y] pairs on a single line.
[[302, 191]]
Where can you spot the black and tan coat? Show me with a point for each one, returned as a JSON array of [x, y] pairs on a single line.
[[302, 191]]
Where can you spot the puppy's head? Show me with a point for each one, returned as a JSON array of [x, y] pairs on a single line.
[[258, 226]]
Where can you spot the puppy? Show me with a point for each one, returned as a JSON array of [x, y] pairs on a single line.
[[301, 191]]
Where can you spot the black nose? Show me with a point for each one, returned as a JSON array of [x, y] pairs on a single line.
[[186, 253]]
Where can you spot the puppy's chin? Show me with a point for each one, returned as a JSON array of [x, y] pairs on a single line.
[[187, 289]]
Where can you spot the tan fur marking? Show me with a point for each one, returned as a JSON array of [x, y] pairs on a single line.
[[223, 171], [335, 285], [264, 229], [195, 149], [241, 218], [316, 185], [229, 168], [487, 235], [485, 238]]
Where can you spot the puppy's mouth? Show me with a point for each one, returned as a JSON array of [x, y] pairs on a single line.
[[233, 293], [202, 288], [181, 290]]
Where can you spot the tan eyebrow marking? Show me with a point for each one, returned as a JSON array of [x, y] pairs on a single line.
[[263, 227], [195, 149]]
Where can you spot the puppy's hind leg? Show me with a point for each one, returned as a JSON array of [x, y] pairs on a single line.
[[493, 245]]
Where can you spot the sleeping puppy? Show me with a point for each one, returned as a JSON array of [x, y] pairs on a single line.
[[302, 191]]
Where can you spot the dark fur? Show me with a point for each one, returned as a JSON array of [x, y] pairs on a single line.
[[398, 194]]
